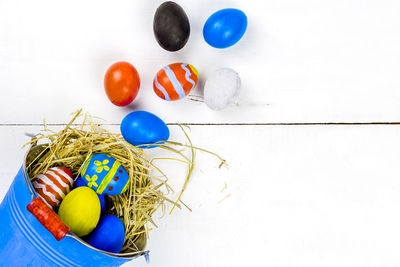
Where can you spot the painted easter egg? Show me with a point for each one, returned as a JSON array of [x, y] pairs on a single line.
[[109, 235], [53, 185], [171, 26], [105, 175], [121, 83], [79, 182], [175, 81], [225, 27], [80, 210], [142, 127], [222, 88]]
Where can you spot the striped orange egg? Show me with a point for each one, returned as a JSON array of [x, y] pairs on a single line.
[[53, 185], [175, 81]]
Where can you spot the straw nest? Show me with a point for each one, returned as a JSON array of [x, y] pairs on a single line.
[[147, 192]]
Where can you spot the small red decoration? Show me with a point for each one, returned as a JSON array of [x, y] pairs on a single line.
[[48, 218]]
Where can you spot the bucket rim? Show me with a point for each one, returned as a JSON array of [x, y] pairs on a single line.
[[128, 255]]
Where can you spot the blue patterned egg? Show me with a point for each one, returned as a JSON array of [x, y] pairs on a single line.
[[105, 175]]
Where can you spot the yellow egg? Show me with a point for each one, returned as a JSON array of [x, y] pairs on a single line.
[[80, 210]]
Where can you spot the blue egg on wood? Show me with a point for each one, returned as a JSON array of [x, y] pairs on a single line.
[[79, 183], [105, 175], [142, 127], [109, 235], [225, 27]]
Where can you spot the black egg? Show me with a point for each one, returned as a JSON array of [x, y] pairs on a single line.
[[171, 26]]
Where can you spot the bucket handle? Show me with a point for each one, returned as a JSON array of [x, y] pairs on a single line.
[[48, 218]]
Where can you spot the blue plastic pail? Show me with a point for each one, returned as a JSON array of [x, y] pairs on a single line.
[[25, 242]]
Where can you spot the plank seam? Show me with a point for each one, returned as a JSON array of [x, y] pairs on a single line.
[[220, 124]]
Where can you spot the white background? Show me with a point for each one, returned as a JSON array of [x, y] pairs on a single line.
[[307, 194]]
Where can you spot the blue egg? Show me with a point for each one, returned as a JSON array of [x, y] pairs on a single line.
[[105, 175], [109, 234], [142, 127], [79, 182], [225, 27]]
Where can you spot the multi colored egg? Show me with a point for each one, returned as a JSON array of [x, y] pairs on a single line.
[[80, 210], [79, 183], [53, 185], [171, 26], [175, 81], [225, 27], [105, 175], [142, 127], [109, 235]]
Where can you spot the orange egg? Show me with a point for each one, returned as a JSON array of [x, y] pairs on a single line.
[[121, 83], [175, 81], [53, 185]]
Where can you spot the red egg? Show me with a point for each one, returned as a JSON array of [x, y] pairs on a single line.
[[53, 185], [121, 83]]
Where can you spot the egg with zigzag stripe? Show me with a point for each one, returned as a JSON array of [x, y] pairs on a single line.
[[105, 175], [53, 185], [175, 81]]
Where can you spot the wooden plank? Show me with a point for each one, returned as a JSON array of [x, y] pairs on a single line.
[[307, 61], [299, 196]]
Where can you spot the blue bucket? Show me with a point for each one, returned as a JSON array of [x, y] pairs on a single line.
[[24, 241]]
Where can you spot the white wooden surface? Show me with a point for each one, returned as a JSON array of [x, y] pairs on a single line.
[[300, 61], [304, 195]]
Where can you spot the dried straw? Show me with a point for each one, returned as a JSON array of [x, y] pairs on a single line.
[[74, 144]]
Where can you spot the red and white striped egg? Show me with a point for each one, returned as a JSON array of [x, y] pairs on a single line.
[[53, 185], [175, 81]]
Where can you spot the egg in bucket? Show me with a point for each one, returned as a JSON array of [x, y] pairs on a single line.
[[53, 185], [80, 210], [105, 175]]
